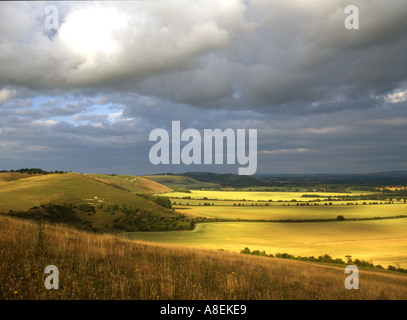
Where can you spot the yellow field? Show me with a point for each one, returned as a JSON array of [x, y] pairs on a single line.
[[278, 212], [256, 196], [384, 242]]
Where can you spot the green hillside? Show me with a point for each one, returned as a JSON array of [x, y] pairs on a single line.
[[86, 201], [199, 180], [134, 184], [32, 191]]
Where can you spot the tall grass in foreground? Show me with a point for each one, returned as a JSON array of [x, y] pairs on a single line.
[[107, 267]]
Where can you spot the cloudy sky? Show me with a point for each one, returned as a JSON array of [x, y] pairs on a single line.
[[85, 96]]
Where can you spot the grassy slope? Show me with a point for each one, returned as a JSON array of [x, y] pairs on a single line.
[[132, 183], [106, 267], [23, 194], [6, 177]]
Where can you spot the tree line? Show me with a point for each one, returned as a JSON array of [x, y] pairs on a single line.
[[323, 258], [32, 171]]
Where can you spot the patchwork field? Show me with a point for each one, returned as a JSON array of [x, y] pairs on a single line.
[[384, 242], [380, 241]]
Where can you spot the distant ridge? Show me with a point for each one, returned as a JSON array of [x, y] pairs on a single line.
[[384, 173], [233, 180], [226, 180], [207, 180], [388, 177]]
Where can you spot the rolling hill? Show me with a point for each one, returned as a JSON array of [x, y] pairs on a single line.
[[226, 180], [181, 181], [134, 184], [98, 202], [198, 180], [6, 177]]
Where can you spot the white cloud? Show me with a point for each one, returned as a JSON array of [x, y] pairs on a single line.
[[108, 42], [45, 123], [91, 30], [7, 94], [396, 97]]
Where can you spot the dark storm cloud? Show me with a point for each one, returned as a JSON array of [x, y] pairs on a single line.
[[322, 97], [272, 55]]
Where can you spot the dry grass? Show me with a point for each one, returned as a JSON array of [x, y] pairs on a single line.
[[107, 267], [6, 177]]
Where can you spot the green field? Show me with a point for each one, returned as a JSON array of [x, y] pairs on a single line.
[[384, 242], [25, 193], [278, 212]]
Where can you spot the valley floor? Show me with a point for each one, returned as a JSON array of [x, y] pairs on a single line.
[[383, 242]]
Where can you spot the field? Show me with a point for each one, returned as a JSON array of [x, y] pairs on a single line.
[[293, 212], [258, 196], [105, 267], [384, 242], [380, 241]]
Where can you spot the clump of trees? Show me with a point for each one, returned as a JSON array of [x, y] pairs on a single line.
[[144, 220], [33, 171], [160, 200], [324, 259]]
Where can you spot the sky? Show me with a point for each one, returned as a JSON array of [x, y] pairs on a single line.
[[85, 95]]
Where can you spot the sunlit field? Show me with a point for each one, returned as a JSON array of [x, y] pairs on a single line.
[[274, 212], [258, 196], [384, 242]]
